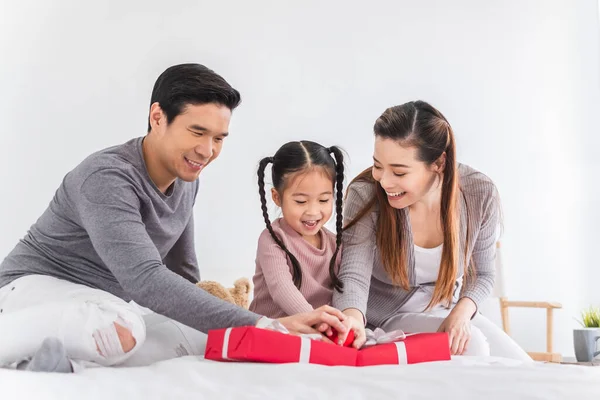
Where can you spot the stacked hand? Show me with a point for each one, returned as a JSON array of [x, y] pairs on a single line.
[[322, 320]]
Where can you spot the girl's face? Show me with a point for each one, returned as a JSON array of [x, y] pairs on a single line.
[[307, 201], [405, 179]]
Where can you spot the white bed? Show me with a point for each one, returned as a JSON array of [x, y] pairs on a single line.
[[462, 378]]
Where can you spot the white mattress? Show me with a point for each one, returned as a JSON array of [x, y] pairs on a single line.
[[195, 378]]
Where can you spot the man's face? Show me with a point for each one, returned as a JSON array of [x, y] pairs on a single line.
[[192, 140]]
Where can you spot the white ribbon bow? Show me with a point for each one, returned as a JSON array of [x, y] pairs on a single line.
[[379, 336]]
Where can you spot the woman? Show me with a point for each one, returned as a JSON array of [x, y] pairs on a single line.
[[419, 244]]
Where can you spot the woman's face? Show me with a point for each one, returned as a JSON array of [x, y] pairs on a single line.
[[405, 179]]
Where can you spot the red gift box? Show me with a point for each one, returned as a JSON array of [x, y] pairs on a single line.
[[262, 345], [415, 348]]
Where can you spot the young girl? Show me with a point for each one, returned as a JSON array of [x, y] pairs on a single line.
[[298, 258]]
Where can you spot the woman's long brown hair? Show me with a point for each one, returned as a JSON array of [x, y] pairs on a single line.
[[417, 124]]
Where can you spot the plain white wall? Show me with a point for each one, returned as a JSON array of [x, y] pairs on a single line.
[[518, 80]]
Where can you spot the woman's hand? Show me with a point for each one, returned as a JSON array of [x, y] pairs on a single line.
[[354, 322], [458, 325]]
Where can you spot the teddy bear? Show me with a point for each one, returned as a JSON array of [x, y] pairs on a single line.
[[238, 294]]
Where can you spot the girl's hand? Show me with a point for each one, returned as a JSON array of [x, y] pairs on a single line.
[[353, 322], [458, 325]]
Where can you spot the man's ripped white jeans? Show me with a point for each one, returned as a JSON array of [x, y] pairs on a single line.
[[35, 307]]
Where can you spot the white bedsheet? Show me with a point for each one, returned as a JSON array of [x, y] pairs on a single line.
[[462, 378]]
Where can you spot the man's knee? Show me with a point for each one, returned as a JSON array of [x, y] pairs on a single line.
[[125, 337], [116, 340], [478, 344]]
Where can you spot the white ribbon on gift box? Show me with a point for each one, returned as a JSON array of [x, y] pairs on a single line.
[[402, 355], [304, 350], [225, 348], [303, 358], [379, 336]]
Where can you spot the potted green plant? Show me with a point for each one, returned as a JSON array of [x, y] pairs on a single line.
[[586, 339]]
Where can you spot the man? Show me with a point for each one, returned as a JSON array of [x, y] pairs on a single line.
[[120, 228]]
